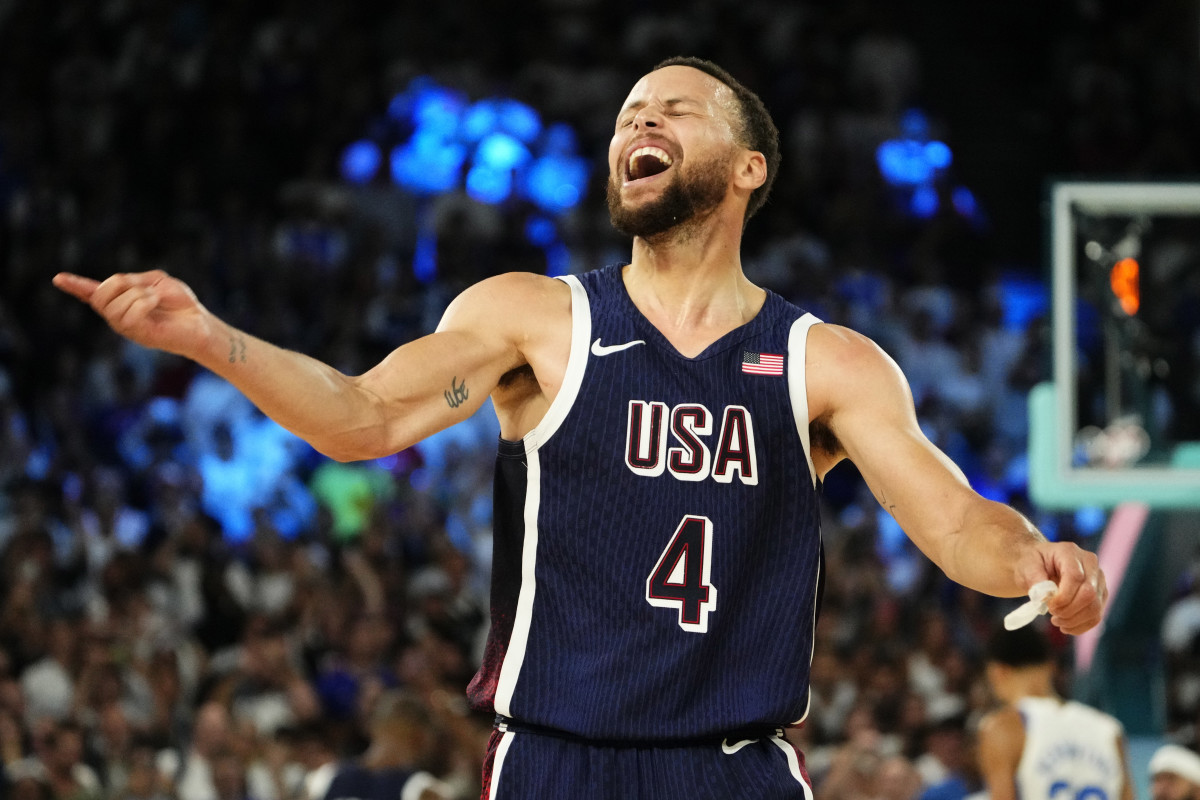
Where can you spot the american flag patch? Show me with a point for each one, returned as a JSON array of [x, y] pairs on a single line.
[[762, 363]]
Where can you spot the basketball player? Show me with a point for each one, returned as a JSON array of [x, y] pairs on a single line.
[[665, 427], [1038, 744], [1174, 773]]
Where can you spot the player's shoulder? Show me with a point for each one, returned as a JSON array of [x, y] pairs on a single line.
[[840, 345], [1094, 718], [845, 367], [518, 288], [509, 300], [1003, 722]]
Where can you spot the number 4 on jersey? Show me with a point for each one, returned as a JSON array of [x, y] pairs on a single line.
[[680, 579]]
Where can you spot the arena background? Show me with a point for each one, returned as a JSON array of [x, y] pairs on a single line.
[[180, 577]]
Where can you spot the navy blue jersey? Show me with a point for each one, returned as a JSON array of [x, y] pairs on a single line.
[[657, 548]]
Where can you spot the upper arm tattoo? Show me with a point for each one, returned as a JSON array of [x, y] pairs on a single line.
[[457, 394]]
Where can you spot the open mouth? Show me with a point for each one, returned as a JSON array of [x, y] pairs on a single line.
[[646, 162]]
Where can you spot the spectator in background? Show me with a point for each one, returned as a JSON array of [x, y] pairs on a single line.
[[352, 676], [107, 523], [945, 761], [1180, 635], [832, 695], [262, 682], [317, 755], [863, 767], [402, 758], [48, 684], [229, 776], [60, 755], [170, 709], [351, 492], [1174, 774], [112, 745], [192, 772], [144, 781], [28, 787], [264, 582]]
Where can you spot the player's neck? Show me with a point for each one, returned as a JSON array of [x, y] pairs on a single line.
[[693, 277], [1032, 688], [693, 304]]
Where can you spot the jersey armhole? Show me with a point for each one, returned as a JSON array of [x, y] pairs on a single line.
[[581, 329], [797, 385]]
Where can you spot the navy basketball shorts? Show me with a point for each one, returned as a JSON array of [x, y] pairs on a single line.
[[523, 764]]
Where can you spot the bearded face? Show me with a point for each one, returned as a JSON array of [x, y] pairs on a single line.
[[690, 194]]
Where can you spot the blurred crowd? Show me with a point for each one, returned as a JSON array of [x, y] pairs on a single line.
[[195, 605]]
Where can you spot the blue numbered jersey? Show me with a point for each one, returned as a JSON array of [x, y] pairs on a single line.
[[657, 553]]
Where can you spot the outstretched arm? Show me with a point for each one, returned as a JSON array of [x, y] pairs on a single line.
[[859, 393], [418, 389]]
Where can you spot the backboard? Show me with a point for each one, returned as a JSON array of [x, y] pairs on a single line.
[[1120, 422]]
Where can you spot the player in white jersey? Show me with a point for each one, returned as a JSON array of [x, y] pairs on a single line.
[[1039, 746]]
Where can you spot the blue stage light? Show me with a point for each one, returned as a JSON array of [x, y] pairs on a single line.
[[360, 161], [479, 120], [540, 231], [1023, 299], [436, 109], [428, 164], [489, 185], [519, 119], [902, 162], [557, 183], [425, 258], [924, 202], [560, 139], [558, 259], [964, 202], [500, 151], [400, 107], [493, 147], [937, 155], [914, 124]]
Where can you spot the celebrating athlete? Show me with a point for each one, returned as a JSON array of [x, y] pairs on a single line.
[[665, 427]]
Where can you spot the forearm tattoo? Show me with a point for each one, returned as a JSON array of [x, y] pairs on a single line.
[[457, 394], [237, 348]]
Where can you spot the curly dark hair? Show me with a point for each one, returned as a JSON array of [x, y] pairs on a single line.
[[758, 131]]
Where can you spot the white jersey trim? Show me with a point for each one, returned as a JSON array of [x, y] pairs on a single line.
[[514, 656], [797, 386], [793, 761], [581, 331], [813, 647], [498, 764], [798, 393]]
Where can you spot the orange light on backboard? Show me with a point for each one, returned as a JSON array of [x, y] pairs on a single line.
[[1124, 282]]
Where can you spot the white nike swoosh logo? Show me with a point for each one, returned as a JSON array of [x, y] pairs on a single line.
[[729, 749], [604, 350]]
